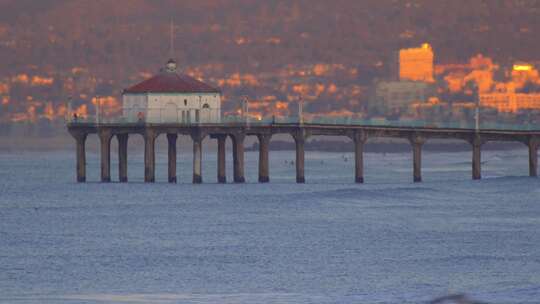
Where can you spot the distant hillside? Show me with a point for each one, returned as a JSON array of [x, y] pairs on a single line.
[[272, 50], [242, 34]]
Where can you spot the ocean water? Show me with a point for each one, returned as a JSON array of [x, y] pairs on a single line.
[[328, 241]]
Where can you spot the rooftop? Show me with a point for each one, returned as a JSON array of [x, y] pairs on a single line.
[[169, 81]]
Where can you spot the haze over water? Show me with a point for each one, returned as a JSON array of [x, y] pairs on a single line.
[[328, 241]]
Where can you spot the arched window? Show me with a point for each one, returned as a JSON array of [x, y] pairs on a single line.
[[185, 102], [206, 106]]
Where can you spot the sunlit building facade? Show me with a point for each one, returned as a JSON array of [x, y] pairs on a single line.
[[507, 97], [416, 64], [510, 102], [523, 73]]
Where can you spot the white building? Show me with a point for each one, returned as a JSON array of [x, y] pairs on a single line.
[[401, 94], [170, 97]]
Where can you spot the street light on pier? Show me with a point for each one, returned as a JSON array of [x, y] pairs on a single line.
[[245, 110], [69, 115], [98, 109], [477, 117], [301, 110], [477, 109]]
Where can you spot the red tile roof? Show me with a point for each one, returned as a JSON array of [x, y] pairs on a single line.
[[170, 82]]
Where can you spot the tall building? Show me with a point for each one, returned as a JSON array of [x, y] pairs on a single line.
[[416, 64]]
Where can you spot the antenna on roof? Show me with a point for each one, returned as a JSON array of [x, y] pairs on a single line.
[[171, 50], [171, 64]]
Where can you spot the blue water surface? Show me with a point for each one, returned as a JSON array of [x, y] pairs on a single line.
[[328, 241]]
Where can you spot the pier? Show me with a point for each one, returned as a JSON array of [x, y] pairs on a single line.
[[299, 131]]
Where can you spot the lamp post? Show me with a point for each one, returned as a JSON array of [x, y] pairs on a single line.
[[477, 118], [199, 110], [68, 112], [301, 110], [98, 109], [477, 110], [245, 110]]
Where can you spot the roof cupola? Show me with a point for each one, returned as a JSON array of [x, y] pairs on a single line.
[[171, 66]]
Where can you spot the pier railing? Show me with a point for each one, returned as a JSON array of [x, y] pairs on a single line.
[[307, 120]]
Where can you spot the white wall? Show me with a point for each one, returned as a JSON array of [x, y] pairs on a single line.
[[157, 107], [132, 104]]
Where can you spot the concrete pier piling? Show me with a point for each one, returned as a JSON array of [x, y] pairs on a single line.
[[238, 157], [149, 156], [122, 157], [417, 163], [105, 137], [197, 157], [300, 140], [359, 139], [477, 158], [221, 159], [171, 140], [417, 142], [534, 143], [264, 166], [80, 139]]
